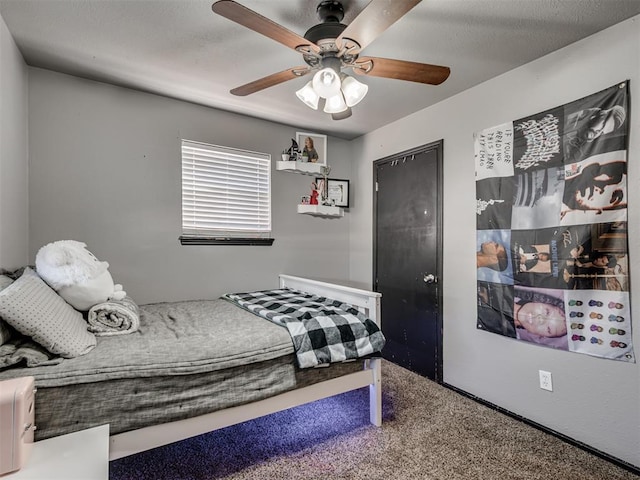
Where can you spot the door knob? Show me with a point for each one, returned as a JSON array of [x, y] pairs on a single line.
[[430, 278]]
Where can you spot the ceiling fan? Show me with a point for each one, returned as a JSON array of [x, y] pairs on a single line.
[[329, 47]]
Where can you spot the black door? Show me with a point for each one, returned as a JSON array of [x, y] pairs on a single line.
[[407, 265]]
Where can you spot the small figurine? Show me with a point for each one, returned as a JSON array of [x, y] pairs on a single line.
[[314, 194], [293, 151]]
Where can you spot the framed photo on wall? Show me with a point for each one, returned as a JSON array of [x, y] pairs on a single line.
[[315, 145], [337, 191]]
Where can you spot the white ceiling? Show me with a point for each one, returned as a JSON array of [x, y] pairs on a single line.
[[181, 49]]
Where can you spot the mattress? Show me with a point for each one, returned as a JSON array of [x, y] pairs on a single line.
[[187, 359], [174, 338]]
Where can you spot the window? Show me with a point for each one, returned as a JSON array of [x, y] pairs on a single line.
[[226, 195]]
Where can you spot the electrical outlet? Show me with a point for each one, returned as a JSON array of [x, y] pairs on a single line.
[[545, 380]]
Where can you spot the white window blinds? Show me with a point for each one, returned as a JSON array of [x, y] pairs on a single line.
[[225, 192]]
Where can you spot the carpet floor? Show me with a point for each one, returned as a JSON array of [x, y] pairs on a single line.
[[429, 432]]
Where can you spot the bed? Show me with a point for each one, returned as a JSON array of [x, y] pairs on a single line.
[[154, 387]]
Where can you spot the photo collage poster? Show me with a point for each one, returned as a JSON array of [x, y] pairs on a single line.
[[552, 245]]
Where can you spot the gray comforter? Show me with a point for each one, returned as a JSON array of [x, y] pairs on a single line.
[[175, 338]]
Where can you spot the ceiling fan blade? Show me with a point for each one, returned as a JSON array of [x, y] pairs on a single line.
[[371, 22], [256, 22], [401, 70], [270, 81]]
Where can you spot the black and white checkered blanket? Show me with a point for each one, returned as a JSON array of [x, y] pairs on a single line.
[[323, 330]]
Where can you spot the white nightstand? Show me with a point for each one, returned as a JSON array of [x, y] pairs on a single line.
[[80, 455]]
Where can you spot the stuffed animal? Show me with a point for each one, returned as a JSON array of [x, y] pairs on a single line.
[[76, 274]]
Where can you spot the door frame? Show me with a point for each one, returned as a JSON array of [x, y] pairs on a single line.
[[438, 146]]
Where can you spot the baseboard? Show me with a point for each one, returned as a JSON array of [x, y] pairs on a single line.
[[569, 440]]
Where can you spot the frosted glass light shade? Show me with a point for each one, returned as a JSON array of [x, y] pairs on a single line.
[[326, 82], [335, 104], [308, 96], [353, 90], [342, 115]]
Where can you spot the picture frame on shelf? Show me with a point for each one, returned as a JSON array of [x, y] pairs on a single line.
[[337, 191], [317, 147]]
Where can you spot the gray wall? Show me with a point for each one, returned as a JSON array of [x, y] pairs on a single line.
[[105, 170], [595, 401], [13, 154]]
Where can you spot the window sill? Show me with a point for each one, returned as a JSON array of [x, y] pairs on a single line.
[[226, 241]]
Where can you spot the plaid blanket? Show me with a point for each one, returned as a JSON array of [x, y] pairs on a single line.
[[323, 330]]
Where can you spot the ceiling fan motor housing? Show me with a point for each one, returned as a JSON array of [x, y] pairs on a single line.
[[323, 34], [330, 11], [323, 31]]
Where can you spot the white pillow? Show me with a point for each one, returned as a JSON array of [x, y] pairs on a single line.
[[30, 306]]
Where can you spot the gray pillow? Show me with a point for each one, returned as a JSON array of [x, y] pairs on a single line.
[[30, 306], [5, 281], [5, 333]]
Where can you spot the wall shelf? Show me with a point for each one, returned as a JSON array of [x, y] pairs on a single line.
[[314, 169], [321, 210], [305, 168]]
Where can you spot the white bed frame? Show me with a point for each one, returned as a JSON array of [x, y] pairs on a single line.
[[129, 443]]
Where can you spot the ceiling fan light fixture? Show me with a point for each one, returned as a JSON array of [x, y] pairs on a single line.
[[308, 96], [342, 115], [335, 104], [353, 90], [326, 83]]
